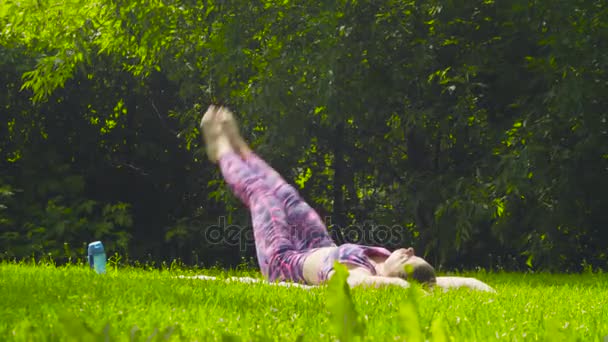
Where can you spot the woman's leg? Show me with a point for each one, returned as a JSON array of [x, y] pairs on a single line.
[[308, 229], [275, 250], [277, 255]]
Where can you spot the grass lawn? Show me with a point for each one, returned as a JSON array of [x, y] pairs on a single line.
[[47, 303]]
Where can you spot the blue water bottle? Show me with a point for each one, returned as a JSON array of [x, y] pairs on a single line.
[[97, 257]]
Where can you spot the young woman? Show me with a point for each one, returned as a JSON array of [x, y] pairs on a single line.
[[292, 243]]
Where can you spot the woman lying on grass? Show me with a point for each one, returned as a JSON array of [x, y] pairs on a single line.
[[292, 243]]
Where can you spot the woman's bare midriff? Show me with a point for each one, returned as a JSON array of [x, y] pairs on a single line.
[[315, 261]]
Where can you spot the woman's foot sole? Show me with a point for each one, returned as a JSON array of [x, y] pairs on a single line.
[[231, 128], [211, 129]]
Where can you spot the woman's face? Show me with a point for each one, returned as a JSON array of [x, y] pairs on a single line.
[[395, 265]]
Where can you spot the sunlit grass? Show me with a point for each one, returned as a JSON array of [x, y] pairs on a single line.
[[58, 303]]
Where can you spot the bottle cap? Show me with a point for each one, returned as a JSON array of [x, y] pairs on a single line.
[[96, 247]]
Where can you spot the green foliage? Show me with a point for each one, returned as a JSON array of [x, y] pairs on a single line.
[[477, 128], [48, 229], [76, 330], [5, 194], [343, 315]]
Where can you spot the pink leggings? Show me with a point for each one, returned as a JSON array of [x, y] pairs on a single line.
[[285, 228]]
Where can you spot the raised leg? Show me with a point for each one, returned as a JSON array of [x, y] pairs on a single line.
[[308, 229], [278, 256]]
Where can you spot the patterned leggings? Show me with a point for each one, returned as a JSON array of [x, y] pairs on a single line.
[[286, 229]]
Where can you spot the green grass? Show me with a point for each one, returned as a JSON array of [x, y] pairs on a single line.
[[41, 303]]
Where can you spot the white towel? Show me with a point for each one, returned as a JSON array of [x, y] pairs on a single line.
[[443, 282], [248, 280]]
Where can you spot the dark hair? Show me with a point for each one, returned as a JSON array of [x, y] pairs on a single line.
[[423, 273]]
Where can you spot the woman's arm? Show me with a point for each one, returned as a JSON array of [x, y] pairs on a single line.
[[365, 280], [458, 282]]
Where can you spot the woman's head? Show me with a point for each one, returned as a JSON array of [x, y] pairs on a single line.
[[404, 264]]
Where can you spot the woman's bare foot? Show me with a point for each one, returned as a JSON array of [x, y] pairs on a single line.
[[216, 140], [231, 128]]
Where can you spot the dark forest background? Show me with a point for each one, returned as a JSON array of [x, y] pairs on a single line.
[[474, 131]]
